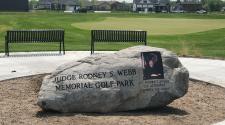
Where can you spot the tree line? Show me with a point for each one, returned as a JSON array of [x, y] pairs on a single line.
[[210, 5], [213, 5]]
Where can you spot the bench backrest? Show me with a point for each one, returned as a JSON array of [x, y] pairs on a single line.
[[18, 36], [118, 36]]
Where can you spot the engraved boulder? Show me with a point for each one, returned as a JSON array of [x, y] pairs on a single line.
[[139, 77]]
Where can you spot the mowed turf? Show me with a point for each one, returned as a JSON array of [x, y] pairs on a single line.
[[155, 26], [197, 35]]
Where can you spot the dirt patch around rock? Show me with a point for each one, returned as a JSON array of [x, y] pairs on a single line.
[[203, 104]]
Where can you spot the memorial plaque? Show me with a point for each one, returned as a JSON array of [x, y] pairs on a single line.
[[153, 74]]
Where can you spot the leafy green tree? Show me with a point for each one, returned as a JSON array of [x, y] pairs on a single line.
[[215, 5], [82, 3], [93, 2], [212, 5], [32, 4]]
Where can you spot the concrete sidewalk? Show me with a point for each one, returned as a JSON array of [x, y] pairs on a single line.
[[32, 63], [25, 64], [207, 70]]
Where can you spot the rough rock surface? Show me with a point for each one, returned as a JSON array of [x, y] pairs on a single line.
[[113, 82]]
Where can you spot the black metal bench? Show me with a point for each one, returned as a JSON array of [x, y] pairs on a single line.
[[35, 36], [117, 36]]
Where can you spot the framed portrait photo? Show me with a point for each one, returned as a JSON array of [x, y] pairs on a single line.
[[152, 65]]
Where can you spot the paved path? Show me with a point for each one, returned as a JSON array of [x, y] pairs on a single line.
[[24, 64], [212, 71]]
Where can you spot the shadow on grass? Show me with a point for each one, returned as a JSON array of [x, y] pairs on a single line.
[[164, 111], [31, 55]]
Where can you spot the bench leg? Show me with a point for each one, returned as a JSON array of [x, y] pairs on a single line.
[[60, 47], [92, 47], [6, 49], [91, 50], [63, 48]]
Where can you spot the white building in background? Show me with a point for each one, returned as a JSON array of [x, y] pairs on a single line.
[[68, 5], [151, 5]]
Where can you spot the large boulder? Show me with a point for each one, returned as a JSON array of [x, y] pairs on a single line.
[[115, 82]]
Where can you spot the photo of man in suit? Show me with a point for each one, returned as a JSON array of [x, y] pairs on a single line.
[[152, 65]]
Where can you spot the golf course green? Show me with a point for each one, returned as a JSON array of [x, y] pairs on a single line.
[[155, 26]]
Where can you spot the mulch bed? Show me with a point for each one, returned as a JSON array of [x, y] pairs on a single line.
[[203, 104]]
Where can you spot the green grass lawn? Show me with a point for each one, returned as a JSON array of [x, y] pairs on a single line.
[[185, 34]]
